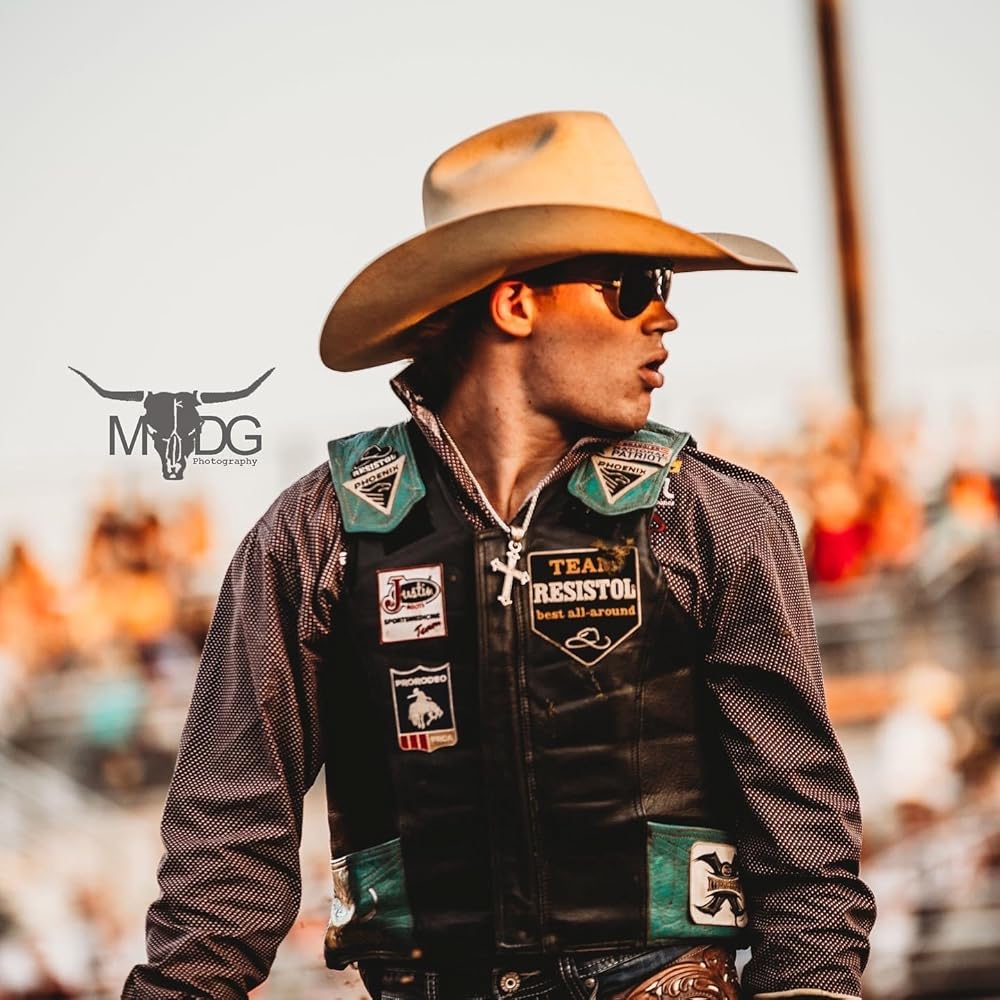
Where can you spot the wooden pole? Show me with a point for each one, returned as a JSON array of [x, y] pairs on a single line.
[[852, 269]]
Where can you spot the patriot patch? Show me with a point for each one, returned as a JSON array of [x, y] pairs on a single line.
[[424, 707], [375, 477], [411, 603], [585, 601], [716, 893], [633, 450]]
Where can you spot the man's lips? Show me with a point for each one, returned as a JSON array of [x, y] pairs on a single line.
[[650, 371]]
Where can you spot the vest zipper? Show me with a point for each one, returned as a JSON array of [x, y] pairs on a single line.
[[529, 764]]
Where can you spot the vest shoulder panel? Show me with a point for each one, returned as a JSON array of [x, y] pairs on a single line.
[[376, 478], [628, 475]]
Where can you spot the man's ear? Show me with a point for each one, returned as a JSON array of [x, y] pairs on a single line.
[[513, 307]]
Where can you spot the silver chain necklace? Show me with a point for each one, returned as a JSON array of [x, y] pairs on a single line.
[[515, 533]]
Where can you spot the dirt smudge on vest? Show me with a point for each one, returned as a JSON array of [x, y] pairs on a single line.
[[615, 554]]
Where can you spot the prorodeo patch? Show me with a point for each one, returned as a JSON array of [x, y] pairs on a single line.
[[375, 477], [411, 603], [583, 601], [425, 710], [716, 893]]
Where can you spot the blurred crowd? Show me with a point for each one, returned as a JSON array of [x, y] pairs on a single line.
[[930, 786], [96, 672], [113, 635], [871, 500]]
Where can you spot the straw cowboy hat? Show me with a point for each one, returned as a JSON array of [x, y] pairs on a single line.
[[522, 194]]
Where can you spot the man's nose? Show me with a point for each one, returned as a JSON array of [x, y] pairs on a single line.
[[658, 319]]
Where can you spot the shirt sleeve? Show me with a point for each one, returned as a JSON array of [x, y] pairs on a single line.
[[250, 749], [799, 823]]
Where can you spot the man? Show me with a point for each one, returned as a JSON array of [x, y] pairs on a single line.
[[560, 664]]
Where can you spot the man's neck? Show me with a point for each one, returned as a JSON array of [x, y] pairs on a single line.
[[508, 446]]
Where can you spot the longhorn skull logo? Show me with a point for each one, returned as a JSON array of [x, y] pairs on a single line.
[[172, 418]]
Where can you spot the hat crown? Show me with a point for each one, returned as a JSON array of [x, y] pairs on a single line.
[[553, 158]]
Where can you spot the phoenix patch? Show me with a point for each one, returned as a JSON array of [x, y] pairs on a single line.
[[376, 475]]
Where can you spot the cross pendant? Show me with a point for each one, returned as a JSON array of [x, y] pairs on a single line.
[[510, 573]]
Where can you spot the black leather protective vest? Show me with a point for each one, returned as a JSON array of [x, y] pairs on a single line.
[[523, 778]]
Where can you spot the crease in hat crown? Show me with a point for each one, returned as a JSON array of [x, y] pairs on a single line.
[[521, 194], [553, 158]]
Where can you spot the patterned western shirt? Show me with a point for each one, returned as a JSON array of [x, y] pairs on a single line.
[[251, 746]]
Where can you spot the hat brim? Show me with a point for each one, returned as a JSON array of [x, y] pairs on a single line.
[[370, 321]]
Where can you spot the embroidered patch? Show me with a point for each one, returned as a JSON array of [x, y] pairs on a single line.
[[626, 464], [628, 475], [342, 906], [618, 476], [667, 498], [633, 450], [375, 477], [425, 711], [411, 603], [716, 893], [584, 601]]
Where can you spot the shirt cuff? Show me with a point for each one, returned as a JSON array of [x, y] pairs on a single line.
[[796, 994]]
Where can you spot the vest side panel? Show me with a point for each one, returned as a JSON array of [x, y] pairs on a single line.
[[425, 692], [588, 722]]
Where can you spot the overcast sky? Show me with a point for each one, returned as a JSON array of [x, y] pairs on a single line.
[[187, 186]]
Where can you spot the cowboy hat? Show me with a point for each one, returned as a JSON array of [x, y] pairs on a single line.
[[520, 195]]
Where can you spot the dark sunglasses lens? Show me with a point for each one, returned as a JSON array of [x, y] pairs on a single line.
[[637, 290]]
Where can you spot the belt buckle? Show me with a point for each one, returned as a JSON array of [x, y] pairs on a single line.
[[705, 970]]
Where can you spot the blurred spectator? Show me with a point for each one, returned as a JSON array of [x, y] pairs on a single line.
[[920, 787], [31, 622], [111, 717], [937, 936], [837, 546]]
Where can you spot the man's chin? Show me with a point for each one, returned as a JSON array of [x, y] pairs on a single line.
[[617, 425]]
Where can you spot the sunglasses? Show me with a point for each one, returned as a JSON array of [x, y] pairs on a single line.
[[627, 293]]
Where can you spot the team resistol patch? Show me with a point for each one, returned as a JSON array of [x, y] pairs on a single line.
[[375, 477], [585, 601], [411, 603], [424, 707], [716, 893]]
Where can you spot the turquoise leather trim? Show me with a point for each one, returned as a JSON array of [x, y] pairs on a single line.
[[394, 486], [586, 483], [668, 866], [373, 914]]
